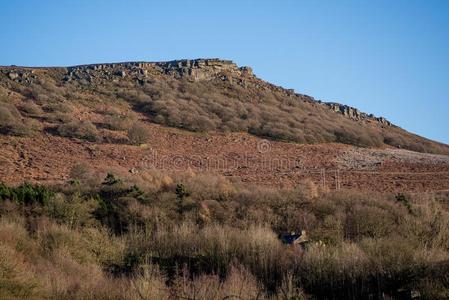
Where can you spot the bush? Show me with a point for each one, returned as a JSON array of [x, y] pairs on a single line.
[[138, 134], [26, 194], [58, 118], [78, 171], [111, 180], [357, 137], [32, 108], [17, 281], [58, 107], [80, 129], [401, 198], [11, 122], [137, 242], [117, 122], [181, 191], [364, 221], [74, 211], [333, 270]]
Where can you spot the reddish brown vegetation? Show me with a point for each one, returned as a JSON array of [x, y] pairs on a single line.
[[234, 155]]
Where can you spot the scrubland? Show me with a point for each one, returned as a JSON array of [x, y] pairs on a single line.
[[193, 236]]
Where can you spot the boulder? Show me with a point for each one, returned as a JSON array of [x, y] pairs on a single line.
[[13, 75]]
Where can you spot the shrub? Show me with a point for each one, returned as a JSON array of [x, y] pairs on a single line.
[[58, 107], [81, 130], [26, 194], [150, 284], [181, 191], [58, 117], [138, 134], [17, 281], [74, 211], [11, 122], [79, 172], [333, 270], [117, 122], [32, 108], [239, 284], [401, 198], [364, 221], [110, 179], [5, 192], [131, 242]]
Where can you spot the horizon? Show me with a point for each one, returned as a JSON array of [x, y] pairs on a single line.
[[382, 58]]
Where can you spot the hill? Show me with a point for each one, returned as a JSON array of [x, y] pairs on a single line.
[[202, 95], [186, 180]]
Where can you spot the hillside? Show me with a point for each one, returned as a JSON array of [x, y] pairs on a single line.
[[198, 180], [202, 95]]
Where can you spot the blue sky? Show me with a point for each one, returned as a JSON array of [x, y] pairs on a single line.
[[390, 58]]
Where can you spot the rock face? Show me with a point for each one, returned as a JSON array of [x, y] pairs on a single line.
[[198, 69], [195, 69], [354, 114]]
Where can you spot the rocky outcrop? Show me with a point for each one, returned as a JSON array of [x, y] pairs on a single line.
[[195, 69], [354, 114], [347, 111], [191, 69], [113, 71], [20, 75], [201, 69]]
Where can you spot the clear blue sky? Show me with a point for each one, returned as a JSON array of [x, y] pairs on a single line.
[[390, 58]]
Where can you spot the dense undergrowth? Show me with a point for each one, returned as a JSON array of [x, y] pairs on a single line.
[[202, 237], [100, 111]]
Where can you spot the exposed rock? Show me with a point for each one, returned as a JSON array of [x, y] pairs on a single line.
[[13, 75], [196, 69], [383, 121], [354, 114], [199, 69], [21, 75]]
